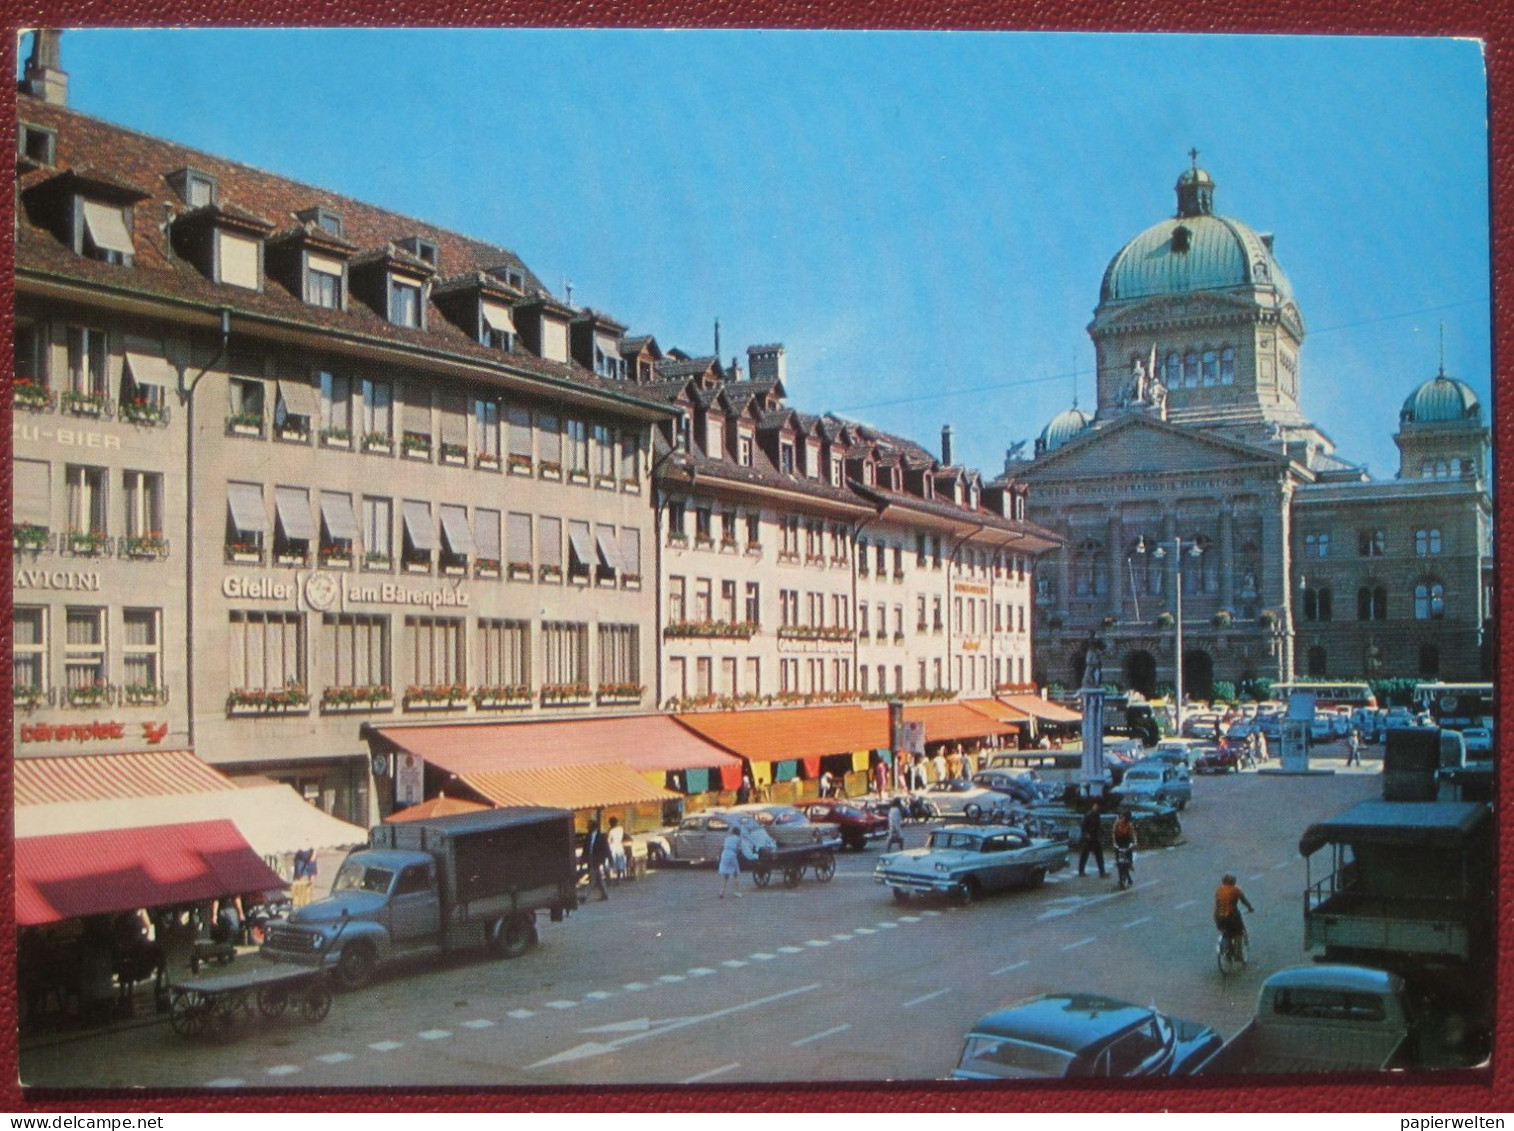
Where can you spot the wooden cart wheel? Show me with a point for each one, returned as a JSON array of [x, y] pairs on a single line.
[[825, 867], [225, 1009], [792, 876], [316, 1003], [761, 876], [189, 1013], [272, 1001]]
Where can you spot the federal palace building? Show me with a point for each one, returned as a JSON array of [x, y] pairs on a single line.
[[1197, 467], [296, 477]]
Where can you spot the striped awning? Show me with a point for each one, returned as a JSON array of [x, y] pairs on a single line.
[[597, 786], [1042, 709], [110, 777]]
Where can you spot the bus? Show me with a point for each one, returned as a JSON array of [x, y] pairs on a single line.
[[1456, 706], [1327, 695]]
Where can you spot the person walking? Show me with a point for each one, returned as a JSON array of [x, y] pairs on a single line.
[[1124, 848], [895, 826], [826, 786], [730, 863], [617, 841], [1092, 840], [744, 790], [596, 856], [1354, 748], [880, 779], [938, 765]]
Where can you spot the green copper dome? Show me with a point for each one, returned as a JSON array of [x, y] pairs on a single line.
[[1439, 400], [1193, 251], [1063, 427]]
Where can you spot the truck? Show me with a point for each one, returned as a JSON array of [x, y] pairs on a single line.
[[1405, 886], [427, 888], [1324, 1019]]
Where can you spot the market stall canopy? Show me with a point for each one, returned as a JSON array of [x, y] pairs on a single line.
[[274, 819], [1043, 709], [999, 712], [439, 806], [645, 743], [103, 777], [70, 875], [598, 786], [784, 734], [956, 722]]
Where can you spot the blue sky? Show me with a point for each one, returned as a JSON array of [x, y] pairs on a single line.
[[921, 218]]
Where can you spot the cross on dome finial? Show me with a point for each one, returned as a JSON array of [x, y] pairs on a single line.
[[1193, 155]]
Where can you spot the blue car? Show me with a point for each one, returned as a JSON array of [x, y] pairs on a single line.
[[1082, 1035]]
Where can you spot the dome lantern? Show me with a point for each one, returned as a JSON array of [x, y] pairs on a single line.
[[1195, 190]]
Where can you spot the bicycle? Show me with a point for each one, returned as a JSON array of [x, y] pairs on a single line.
[[1230, 952]]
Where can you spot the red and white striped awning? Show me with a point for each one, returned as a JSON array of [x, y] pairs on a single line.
[[113, 777]]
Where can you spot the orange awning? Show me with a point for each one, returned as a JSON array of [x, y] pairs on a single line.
[[999, 712], [1043, 709], [113, 777], [956, 722], [597, 786], [801, 733], [439, 806]]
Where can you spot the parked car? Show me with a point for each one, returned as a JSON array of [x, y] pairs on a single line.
[[959, 798], [965, 862], [1320, 729], [789, 827], [856, 825], [1479, 742], [1187, 749], [1226, 759], [1023, 786], [1082, 1035], [1200, 725], [699, 837], [1155, 781]]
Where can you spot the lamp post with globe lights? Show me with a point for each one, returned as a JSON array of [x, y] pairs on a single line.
[[1158, 551]]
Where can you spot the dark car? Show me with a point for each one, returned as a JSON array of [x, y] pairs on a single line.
[[857, 825], [1229, 758], [1082, 1035]]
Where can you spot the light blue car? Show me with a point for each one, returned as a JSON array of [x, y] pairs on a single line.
[[1156, 781]]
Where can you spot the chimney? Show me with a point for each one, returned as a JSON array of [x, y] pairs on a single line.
[[45, 77], [735, 373], [765, 363], [946, 444]]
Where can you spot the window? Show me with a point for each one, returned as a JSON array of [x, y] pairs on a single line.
[[1211, 368], [604, 452], [37, 143], [1190, 369], [1429, 660], [578, 448], [106, 233], [702, 595], [788, 607], [336, 407], [323, 218], [1371, 543], [937, 624], [421, 248], [86, 500], [1172, 370], [703, 525], [1429, 601], [457, 537], [630, 555], [404, 304], [786, 457], [898, 561], [703, 676], [678, 677], [1317, 603], [87, 365], [29, 647], [323, 282], [1088, 575], [836, 471], [753, 603], [520, 435], [1372, 603], [378, 530], [566, 652], [1317, 661], [1317, 545], [620, 654], [295, 529], [518, 544], [863, 620], [378, 396], [419, 537], [1426, 542], [630, 457], [435, 651], [355, 650], [677, 609], [1227, 366], [267, 650], [84, 649], [921, 624], [246, 402], [143, 495], [899, 622], [728, 528], [549, 546], [504, 653], [839, 609], [744, 449], [728, 602]]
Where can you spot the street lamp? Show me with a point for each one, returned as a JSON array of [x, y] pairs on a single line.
[[1159, 553]]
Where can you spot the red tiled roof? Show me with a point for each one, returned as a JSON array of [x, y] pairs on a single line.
[[810, 732], [102, 873], [645, 743], [107, 777]]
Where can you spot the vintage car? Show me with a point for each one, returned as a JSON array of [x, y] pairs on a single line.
[[1230, 758], [1082, 1035], [856, 824], [789, 827], [699, 838], [1479, 742], [1023, 786], [1156, 781], [960, 798], [1157, 825], [966, 861]]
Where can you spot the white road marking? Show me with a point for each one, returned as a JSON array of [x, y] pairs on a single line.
[[927, 997], [760, 957], [909, 918], [820, 1035], [842, 937], [338, 1057], [595, 1048], [639, 1025], [435, 1034], [386, 1046], [225, 1082], [865, 931], [711, 1073], [566, 1004], [521, 1014], [1080, 942], [634, 987], [888, 926], [1258, 876], [1136, 922], [671, 978], [478, 1023], [818, 942], [1185, 903], [931, 914], [733, 963], [1007, 969], [700, 972], [790, 950], [598, 995], [1283, 864], [284, 1070]]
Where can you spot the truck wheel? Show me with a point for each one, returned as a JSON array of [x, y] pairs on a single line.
[[515, 935], [354, 969]]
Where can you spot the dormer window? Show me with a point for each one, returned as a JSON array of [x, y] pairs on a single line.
[[405, 303], [323, 281], [105, 232], [870, 473], [323, 218], [421, 248], [496, 327], [836, 476], [1180, 237], [786, 457], [744, 449], [37, 143], [195, 189]]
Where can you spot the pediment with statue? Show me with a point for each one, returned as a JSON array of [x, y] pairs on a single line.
[[1139, 443]]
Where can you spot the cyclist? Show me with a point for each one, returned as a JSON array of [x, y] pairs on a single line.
[[1228, 900]]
